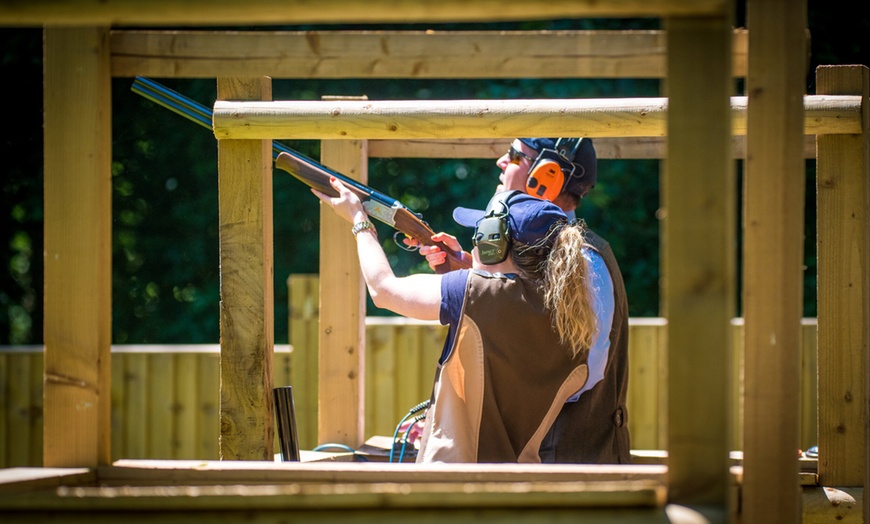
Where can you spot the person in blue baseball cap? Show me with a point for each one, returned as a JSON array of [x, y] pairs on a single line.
[[593, 425], [521, 322]]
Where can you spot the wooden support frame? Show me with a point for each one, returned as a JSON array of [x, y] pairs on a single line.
[[773, 260], [843, 185], [247, 293], [698, 263], [58, 12], [78, 261]]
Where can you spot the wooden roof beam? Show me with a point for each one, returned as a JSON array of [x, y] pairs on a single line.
[[398, 54], [622, 117], [278, 12]]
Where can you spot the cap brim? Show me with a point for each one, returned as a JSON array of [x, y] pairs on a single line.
[[467, 217]]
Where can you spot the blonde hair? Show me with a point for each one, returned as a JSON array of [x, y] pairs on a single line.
[[558, 265]]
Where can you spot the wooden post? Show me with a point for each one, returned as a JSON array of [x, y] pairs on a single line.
[[341, 386], [843, 185], [247, 303], [773, 260], [78, 240], [698, 258], [303, 291]]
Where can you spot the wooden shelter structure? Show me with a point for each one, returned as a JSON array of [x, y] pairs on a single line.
[[86, 44]]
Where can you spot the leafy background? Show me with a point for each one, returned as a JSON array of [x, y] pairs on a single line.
[[165, 281]]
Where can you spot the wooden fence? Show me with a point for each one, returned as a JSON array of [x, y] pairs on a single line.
[[165, 398]]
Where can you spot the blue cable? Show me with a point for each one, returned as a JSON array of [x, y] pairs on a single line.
[[421, 406]]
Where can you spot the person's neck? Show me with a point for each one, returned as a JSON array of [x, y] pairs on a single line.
[[504, 267]]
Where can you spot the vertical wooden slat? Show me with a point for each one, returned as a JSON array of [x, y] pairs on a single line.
[[281, 375], [773, 260], [735, 431], [407, 373], [208, 408], [698, 257], [808, 395], [184, 422], [247, 309], [78, 264], [304, 311], [843, 180], [809, 435], [36, 418], [381, 379], [136, 405], [646, 385], [341, 358], [119, 412], [4, 401], [161, 395], [18, 406]]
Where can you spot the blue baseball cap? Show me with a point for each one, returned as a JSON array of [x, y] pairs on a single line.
[[585, 162], [529, 218]]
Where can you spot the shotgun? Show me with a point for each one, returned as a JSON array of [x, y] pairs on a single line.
[[314, 174]]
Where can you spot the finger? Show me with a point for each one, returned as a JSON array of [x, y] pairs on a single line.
[[436, 258], [321, 196]]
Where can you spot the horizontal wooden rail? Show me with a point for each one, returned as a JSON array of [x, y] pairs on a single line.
[[399, 54], [276, 12], [387, 119], [605, 148], [141, 472]]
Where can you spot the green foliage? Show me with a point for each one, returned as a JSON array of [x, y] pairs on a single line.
[[21, 188]]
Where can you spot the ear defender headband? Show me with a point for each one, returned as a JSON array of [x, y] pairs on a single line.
[[552, 169], [492, 234]]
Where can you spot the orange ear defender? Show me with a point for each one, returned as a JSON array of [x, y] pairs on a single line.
[[547, 176], [545, 180]]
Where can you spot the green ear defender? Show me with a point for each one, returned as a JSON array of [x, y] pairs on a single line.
[[492, 234]]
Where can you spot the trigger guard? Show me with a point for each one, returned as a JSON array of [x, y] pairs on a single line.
[[402, 245]]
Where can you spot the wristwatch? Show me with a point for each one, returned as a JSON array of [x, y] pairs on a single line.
[[362, 226]]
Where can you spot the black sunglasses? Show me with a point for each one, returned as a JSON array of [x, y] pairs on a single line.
[[515, 156]]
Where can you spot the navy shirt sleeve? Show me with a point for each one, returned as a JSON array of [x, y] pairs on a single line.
[[452, 294], [453, 286]]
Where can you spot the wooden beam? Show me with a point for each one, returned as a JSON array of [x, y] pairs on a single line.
[[698, 261], [278, 12], [605, 148], [78, 240], [247, 419], [341, 360], [204, 472], [398, 54], [773, 260], [391, 119], [843, 185]]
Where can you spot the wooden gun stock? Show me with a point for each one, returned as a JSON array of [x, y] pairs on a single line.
[[382, 207]]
